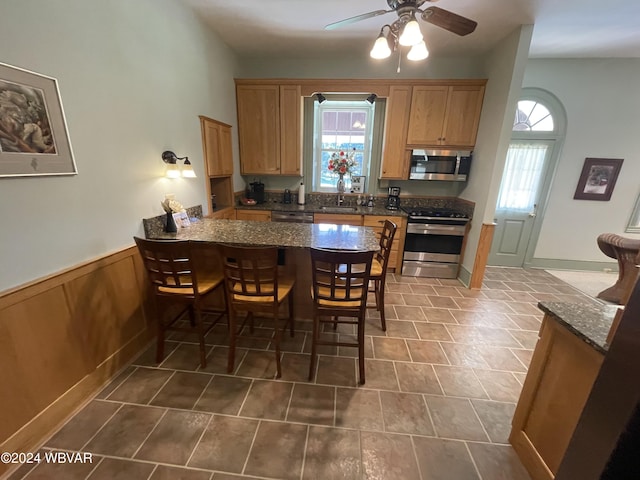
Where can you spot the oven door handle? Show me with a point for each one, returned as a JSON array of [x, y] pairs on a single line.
[[428, 229]]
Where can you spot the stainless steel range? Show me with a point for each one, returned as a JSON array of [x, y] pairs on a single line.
[[433, 243]]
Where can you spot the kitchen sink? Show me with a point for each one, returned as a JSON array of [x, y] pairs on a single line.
[[339, 209]]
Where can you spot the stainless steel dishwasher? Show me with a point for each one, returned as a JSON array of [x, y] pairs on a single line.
[[292, 217]]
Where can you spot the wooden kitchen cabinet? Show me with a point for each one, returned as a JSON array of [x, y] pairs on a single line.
[[256, 215], [217, 149], [560, 377], [376, 222], [444, 115], [269, 129], [337, 219], [225, 214], [395, 156]]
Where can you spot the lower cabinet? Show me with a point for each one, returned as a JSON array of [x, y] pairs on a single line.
[[256, 215], [560, 377], [337, 219], [225, 213]]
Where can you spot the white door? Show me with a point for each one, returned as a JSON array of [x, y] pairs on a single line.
[[519, 201]]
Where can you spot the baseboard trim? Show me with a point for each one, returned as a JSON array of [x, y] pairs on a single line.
[[559, 264], [39, 428]]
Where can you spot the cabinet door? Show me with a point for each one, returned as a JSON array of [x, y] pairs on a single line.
[[337, 219], [290, 130], [216, 145], [463, 115], [256, 215], [259, 129], [395, 158], [426, 118]]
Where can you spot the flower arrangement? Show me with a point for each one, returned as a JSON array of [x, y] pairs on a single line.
[[342, 163]]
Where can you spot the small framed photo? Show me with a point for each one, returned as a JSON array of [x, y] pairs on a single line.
[[181, 219], [598, 178], [33, 130]]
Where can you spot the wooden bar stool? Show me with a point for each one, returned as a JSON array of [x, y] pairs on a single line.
[[340, 285], [174, 279], [254, 285], [379, 268]]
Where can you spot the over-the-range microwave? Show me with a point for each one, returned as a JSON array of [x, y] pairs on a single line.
[[452, 165]]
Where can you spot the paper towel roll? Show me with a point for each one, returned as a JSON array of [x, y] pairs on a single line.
[[301, 200]]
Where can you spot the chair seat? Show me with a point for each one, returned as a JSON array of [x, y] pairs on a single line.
[[376, 268], [205, 285], [324, 291], [285, 285]]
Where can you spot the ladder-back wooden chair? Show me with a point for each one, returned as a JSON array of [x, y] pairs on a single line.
[[254, 285], [175, 281], [379, 267], [340, 285]]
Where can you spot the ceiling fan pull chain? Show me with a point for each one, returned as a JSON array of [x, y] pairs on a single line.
[[399, 60]]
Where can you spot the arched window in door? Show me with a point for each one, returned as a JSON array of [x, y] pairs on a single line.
[[538, 129]]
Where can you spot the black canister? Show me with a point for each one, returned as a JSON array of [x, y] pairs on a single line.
[[257, 191], [286, 197]]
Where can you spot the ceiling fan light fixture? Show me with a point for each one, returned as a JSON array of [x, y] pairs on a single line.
[[418, 52], [411, 34], [381, 47]]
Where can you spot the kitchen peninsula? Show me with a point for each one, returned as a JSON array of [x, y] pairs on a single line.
[[295, 240]]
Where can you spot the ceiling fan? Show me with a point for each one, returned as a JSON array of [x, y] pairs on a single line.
[[408, 9]]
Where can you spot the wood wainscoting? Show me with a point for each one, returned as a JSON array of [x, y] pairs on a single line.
[[482, 255], [62, 338]]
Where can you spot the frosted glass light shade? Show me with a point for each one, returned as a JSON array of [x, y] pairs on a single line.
[[411, 35], [380, 48], [172, 171], [418, 52]]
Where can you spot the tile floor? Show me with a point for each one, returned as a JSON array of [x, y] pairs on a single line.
[[441, 389]]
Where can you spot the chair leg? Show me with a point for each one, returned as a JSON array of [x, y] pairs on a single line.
[[291, 317], [361, 348], [380, 303], [278, 337], [314, 340], [232, 341], [200, 327], [335, 323], [160, 343], [192, 316]]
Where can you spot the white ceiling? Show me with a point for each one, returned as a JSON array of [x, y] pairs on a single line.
[[563, 28]]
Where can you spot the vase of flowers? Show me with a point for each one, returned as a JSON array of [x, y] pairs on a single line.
[[342, 163]]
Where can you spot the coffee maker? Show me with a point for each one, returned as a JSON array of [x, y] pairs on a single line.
[[393, 200]]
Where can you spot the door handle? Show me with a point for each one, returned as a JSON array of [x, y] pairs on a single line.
[[532, 213]]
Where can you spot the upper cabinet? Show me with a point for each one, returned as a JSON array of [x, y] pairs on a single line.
[[269, 129], [445, 115], [395, 162], [216, 145]]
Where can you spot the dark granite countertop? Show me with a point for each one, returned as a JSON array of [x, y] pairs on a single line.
[[292, 235], [589, 322]]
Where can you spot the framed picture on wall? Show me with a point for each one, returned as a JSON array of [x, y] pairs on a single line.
[[34, 139], [598, 178]]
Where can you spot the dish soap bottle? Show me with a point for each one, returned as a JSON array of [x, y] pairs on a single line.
[[301, 200]]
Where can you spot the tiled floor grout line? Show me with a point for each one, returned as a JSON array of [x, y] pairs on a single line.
[[473, 461], [153, 471], [166, 410], [304, 454], [94, 468], [204, 430], [101, 427], [253, 441], [173, 374]]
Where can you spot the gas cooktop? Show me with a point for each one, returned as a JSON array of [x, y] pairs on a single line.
[[433, 212]]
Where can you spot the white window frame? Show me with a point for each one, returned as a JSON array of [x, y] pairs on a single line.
[[634, 221], [340, 105]]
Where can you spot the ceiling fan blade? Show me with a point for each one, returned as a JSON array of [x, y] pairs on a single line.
[[355, 19], [449, 21]]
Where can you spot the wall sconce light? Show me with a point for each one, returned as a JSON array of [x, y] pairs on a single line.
[[371, 98], [173, 171], [321, 98]]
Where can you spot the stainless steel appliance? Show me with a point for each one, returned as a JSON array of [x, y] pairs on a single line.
[[449, 165], [292, 217], [433, 242], [393, 200]]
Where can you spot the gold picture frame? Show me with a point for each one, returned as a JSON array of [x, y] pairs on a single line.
[[34, 138]]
